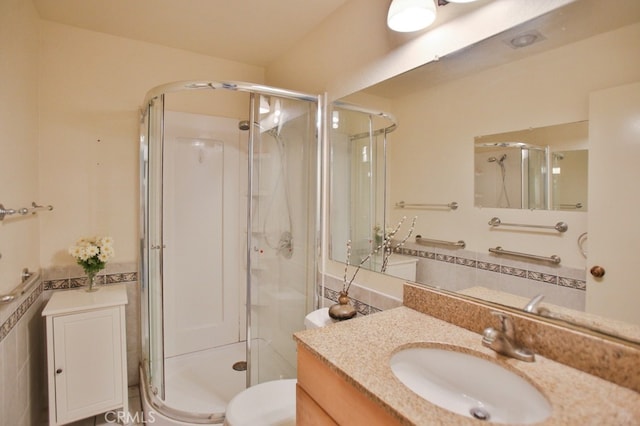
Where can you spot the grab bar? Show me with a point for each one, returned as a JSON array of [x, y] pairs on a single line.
[[560, 226], [26, 282], [499, 250], [23, 211], [569, 206], [401, 204], [427, 241]]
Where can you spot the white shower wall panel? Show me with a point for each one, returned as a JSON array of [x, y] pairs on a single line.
[[202, 221]]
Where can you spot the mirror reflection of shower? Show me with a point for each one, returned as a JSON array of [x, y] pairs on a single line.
[[359, 138], [503, 174], [533, 168], [511, 175]]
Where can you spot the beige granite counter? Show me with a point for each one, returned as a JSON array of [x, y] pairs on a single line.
[[359, 350]]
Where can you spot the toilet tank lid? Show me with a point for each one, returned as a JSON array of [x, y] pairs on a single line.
[[318, 318]]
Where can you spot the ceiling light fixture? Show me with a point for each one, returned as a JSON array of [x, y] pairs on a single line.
[[411, 15]]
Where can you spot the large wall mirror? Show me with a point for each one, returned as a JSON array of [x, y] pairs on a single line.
[[543, 113]]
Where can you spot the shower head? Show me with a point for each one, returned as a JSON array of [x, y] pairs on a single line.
[[243, 125], [499, 160], [274, 132]]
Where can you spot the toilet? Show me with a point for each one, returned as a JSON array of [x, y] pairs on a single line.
[[273, 402]]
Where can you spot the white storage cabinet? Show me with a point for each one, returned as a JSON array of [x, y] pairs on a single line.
[[86, 353]]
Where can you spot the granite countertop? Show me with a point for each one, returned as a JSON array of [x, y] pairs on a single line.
[[359, 350]]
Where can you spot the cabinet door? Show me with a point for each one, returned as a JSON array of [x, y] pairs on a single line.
[[87, 363]]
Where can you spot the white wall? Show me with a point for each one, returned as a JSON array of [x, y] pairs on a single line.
[[21, 347], [18, 138], [354, 35], [91, 87]]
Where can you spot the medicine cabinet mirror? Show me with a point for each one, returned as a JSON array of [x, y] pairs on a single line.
[[535, 169]]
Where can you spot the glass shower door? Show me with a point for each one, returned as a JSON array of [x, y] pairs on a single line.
[[151, 244], [282, 242]]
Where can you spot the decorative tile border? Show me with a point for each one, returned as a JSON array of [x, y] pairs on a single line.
[[77, 282], [494, 267], [59, 284], [16, 315], [361, 307]]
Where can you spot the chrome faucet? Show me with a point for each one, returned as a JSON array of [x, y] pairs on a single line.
[[503, 340], [534, 308]]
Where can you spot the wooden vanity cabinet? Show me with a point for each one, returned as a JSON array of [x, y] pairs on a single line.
[[86, 353], [324, 398]]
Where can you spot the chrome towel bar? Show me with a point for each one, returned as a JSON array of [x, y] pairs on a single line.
[[570, 206], [499, 250], [23, 211], [560, 226], [26, 282], [401, 204], [427, 241]]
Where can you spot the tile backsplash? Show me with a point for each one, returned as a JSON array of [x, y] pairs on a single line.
[[23, 382], [366, 301], [459, 269]]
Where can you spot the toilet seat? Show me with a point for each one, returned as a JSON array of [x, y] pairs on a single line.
[[268, 403]]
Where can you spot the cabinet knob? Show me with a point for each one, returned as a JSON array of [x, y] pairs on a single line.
[[597, 271], [59, 370]]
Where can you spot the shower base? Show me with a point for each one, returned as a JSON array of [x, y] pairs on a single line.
[[200, 382]]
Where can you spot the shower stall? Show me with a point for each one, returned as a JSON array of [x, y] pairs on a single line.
[[511, 175], [229, 201], [359, 138]]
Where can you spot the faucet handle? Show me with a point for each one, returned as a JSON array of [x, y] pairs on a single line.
[[506, 325], [534, 306]]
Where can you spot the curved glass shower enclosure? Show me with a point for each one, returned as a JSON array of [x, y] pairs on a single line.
[[229, 208], [359, 139]]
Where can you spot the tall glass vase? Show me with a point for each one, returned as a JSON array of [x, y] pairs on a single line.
[[93, 285]]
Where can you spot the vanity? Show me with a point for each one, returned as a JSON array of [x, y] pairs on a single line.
[[345, 375], [86, 353]]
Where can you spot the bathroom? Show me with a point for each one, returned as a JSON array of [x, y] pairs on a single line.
[[71, 141]]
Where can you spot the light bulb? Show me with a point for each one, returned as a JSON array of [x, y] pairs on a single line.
[[411, 15]]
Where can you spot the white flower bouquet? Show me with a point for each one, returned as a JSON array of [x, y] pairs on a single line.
[[92, 253]]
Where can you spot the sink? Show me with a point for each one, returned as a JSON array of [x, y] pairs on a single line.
[[469, 385]]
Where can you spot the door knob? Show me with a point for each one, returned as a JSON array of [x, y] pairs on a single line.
[[597, 271], [59, 370]]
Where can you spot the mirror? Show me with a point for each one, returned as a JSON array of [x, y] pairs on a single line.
[[358, 152], [533, 169], [449, 110]]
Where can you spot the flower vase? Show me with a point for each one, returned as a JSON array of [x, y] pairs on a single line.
[[93, 284], [343, 309]]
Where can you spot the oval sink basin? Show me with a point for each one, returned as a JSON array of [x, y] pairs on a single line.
[[470, 385]]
